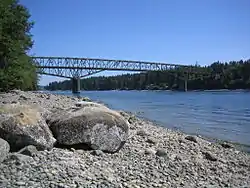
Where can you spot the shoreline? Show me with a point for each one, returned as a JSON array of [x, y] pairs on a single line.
[[159, 90], [238, 145], [153, 156]]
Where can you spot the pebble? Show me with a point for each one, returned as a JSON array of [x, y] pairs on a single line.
[[149, 151], [141, 132], [151, 140], [97, 152], [28, 150], [210, 156], [161, 153], [226, 145], [191, 138]]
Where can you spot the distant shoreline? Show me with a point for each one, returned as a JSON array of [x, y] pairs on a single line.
[[212, 90]]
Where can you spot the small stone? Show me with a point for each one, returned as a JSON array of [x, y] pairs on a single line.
[[86, 99], [226, 145], [151, 140], [162, 153], [19, 158], [20, 183], [97, 152], [191, 138], [141, 132], [178, 158], [29, 151], [149, 151], [210, 156], [41, 96], [132, 119], [80, 151], [22, 97]]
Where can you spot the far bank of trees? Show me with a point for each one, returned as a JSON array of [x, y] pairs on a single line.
[[231, 75], [17, 70]]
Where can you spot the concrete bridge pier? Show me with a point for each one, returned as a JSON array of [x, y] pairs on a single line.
[[186, 76], [76, 85], [185, 85]]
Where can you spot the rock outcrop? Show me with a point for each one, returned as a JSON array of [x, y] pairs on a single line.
[[4, 149], [98, 127], [23, 125]]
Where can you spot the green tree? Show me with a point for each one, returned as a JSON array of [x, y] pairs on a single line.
[[17, 71]]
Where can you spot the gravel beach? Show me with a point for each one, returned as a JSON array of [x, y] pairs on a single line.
[[152, 156]]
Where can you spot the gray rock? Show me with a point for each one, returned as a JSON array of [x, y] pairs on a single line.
[[124, 114], [15, 91], [97, 152], [23, 97], [18, 158], [149, 151], [23, 125], [151, 140], [209, 156], [141, 132], [86, 99], [4, 149], [20, 183], [162, 153], [28, 150], [83, 104], [132, 119], [226, 145], [99, 127], [191, 138]]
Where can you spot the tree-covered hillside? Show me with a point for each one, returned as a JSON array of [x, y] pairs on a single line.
[[232, 75], [16, 68]]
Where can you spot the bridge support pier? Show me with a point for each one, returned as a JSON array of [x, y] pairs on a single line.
[[185, 85], [76, 85]]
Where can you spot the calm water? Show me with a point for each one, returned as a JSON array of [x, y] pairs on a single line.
[[215, 114]]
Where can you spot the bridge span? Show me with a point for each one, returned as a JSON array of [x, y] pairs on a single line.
[[77, 68]]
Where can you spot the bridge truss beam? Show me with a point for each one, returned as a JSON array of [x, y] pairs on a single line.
[[67, 73], [76, 68], [80, 67]]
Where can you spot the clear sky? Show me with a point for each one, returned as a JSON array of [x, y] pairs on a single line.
[[171, 31]]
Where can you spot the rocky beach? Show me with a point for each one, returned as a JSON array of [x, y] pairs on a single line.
[[51, 140]]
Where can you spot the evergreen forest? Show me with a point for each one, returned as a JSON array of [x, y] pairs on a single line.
[[229, 75]]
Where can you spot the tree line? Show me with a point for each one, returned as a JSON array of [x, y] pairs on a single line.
[[17, 71], [229, 75]]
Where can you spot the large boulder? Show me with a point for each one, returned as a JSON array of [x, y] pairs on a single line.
[[4, 149], [94, 125], [23, 125]]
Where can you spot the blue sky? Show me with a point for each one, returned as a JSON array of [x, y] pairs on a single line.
[[171, 31]]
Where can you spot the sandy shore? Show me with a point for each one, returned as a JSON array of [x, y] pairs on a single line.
[[153, 156]]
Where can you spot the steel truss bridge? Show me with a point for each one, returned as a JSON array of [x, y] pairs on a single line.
[[76, 68]]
